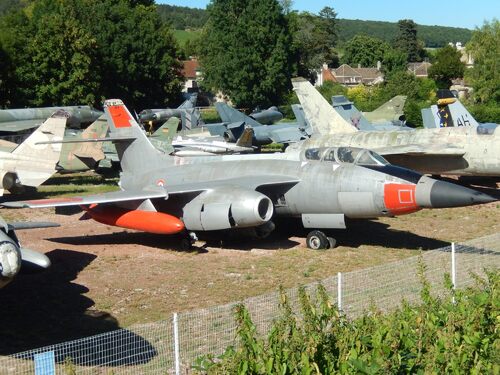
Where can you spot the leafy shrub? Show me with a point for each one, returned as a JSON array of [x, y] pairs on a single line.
[[437, 336]]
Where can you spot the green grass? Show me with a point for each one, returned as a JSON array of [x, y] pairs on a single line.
[[182, 36]]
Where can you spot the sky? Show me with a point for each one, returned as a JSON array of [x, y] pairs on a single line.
[[457, 13]]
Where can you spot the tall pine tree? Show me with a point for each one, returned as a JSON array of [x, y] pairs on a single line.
[[246, 51]]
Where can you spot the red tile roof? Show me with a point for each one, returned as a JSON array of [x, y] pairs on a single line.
[[190, 67]]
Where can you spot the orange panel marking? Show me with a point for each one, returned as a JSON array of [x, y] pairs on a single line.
[[399, 199], [120, 116]]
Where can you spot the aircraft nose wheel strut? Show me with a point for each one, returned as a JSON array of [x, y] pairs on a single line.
[[317, 240]]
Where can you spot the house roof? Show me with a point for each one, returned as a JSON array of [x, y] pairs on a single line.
[[189, 68], [419, 68], [327, 75], [348, 74]]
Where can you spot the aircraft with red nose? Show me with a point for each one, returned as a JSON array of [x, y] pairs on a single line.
[[322, 186]]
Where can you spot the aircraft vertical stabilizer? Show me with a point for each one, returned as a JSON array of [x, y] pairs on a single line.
[[134, 149], [34, 160], [318, 112]]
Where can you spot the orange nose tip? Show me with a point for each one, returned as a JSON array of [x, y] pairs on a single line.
[[399, 199]]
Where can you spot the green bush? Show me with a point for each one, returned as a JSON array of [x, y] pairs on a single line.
[[435, 337]]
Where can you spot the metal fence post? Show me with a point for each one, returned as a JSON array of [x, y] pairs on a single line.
[[339, 291], [453, 270], [176, 346]]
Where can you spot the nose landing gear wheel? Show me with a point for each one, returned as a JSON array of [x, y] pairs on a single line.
[[317, 240]]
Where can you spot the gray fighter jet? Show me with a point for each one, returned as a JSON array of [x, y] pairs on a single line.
[[187, 112], [452, 150], [14, 121], [234, 122], [13, 256], [171, 195]]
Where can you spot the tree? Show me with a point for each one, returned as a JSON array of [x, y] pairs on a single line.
[[447, 66], [5, 68], [485, 50], [246, 51], [81, 50], [314, 40], [394, 61], [406, 40], [364, 50], [62, 58]]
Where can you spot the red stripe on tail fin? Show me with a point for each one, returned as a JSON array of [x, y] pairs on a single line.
[[120, 116]]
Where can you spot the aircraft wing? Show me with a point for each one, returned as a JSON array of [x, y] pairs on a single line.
[[250, 183], [21, 125], [111, 197], [419, 150]]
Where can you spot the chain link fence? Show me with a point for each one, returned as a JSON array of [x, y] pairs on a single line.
[[172, 345]]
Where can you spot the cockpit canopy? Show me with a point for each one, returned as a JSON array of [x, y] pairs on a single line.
[[342, 155]]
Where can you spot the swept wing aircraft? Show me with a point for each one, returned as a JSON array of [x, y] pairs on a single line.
[[30, 163], [171, 195], [234, 122], [452, 150]]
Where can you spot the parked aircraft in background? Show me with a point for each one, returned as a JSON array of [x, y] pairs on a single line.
[[267, 116], [170, 195], [455, 150], [389, 112], [76, 157], [14, 121], [450, 112], [187, 112], [13, 256], [350, 113], [234, 122], [32, 163], [167, 139]]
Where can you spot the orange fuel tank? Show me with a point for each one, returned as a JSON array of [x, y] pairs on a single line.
[[146, 221]]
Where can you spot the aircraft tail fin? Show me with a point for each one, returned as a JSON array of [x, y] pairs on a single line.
[[393, 109], [318, 112], [191, 118], [167, 131], [91, 150], [298, 111], [44, 156], [449, 112], [246, 138], [135, 152], [190, 103], [350, 113], [229, 114]]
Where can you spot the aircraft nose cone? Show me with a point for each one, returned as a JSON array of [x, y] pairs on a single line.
[[432, 193]]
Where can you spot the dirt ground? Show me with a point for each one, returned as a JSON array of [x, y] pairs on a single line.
[[103, 277]]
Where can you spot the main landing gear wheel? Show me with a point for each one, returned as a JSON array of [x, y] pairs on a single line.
[[317, 240], [187, 239]]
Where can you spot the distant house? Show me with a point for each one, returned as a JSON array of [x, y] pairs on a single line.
[[349, 76], [466, 58], [419, 69], [191, 73]]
